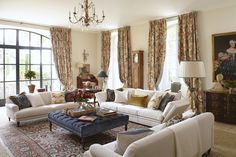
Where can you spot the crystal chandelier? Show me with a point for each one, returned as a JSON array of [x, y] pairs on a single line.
[[85, 14]]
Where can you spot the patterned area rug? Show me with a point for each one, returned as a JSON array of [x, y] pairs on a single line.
[[35, 140]]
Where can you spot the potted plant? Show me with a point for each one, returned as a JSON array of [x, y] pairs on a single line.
[[29, 75]]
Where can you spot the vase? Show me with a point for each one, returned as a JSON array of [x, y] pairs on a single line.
[[31, 88]]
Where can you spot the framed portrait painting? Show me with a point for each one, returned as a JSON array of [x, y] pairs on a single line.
[[224, 55]]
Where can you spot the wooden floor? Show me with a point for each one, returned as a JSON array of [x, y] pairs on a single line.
[[224, 137]]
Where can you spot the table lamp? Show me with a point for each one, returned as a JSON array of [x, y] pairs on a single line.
[[103, 75], [191, 70]]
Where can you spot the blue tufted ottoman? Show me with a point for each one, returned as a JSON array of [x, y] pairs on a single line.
[[85, 129]]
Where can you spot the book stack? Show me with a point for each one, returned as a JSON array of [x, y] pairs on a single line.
[[87, 118], [105, 112]]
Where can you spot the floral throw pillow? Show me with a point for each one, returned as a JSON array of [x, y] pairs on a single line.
[[57, 97]]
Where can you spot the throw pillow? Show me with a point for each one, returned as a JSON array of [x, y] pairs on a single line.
[[35, 99], [21, 100], [138, 100], [46, 96], [124, 139], [111, 94], [121, 96], [57, 97], [165, 100], [155, 101]]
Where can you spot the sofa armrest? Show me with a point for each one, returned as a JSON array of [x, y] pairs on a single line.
[[12, 107], [97, 150], [101, 96], [175, 108]]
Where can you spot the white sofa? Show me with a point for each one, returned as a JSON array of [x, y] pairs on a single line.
[[190, 138], [35, 112], [143, 115]]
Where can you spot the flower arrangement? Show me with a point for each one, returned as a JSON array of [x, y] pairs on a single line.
[[81, 96]]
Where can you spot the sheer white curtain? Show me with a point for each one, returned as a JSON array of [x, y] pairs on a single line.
[[171, 64], [113, 81]]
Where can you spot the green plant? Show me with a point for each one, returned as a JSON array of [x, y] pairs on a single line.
[[30, 74]]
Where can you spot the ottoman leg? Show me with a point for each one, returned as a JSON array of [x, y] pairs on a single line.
[[50, 126], [126, 127]]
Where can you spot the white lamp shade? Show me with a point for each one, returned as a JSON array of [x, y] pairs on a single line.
[[192, 69]]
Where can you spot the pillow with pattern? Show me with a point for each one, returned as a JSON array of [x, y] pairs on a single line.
[[155, 101], [21, 100], [111, 94], [57, 97]]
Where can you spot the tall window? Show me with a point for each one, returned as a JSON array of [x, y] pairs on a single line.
[[113, 81], [171, 64], [20, 51]]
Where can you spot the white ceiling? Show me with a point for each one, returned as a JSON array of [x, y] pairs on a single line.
[[118, 12]]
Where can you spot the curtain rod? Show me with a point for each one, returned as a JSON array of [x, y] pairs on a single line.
[[23, 23]]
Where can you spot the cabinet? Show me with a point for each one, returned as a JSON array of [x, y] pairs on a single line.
[[222, 105], [137, 69]]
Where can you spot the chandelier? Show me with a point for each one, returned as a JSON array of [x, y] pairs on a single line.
[[85, 14]]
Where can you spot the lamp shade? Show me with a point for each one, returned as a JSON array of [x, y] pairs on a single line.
[[192, 69], [102, 74]]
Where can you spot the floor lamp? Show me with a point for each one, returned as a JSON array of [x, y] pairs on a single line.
[[103, 75], [190, 70]]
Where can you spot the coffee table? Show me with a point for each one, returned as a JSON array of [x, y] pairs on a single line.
[[86, 129]]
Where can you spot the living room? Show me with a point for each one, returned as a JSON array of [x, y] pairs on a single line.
[[88, 49]]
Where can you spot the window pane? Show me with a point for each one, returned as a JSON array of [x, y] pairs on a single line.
[[24, 86], [10, 88], [36, 83], [2, 89], [10, 37], [10, 56], [23, 70], [1, 56], [24, 56], [1, 36], [10, 72], [46, 57], [56, 86], [35, 56], [35, 40], [46, 43], [46, 72], [36, 68], [1, 73], [46, 83], [23, 38], [54, 72]]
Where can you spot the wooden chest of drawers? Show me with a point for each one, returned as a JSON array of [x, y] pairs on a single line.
[[222, 105]]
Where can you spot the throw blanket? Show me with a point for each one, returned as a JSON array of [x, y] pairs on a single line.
[[187, 139]]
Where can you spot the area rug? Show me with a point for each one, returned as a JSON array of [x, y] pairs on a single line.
[[35, 140]]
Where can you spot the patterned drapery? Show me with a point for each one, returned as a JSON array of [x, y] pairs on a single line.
[[189, 51], [62, 51], [106, 48], [156, 51], [124, 56]]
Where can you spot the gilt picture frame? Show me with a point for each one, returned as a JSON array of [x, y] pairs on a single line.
[[224, 55]]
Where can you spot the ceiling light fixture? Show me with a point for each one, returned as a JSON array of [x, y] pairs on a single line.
[[85, 14]]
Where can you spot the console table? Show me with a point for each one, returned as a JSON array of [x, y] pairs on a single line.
[[222, 105]]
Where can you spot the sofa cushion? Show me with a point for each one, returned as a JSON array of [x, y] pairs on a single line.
[[35, 100], [138, 100], [129, 109], [111, 94], [124, 139], [121, 96], [21, 100], [155, 101], [46, 96], [42, 110], [165, 100], [57, 97], [152, 114], [143, 92], [111, 105]]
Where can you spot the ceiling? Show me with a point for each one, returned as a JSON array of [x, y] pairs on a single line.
[[118, 12]]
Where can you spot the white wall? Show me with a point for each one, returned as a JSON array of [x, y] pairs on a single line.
[[81, 41], [212, 22]]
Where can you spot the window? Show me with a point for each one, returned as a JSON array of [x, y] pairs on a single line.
[[171, 63], [20, 51], [113, 81]]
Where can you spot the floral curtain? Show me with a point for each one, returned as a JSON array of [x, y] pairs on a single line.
[[62, 51], [156, 51], [189, 51], [106, 43], [124, 56]]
